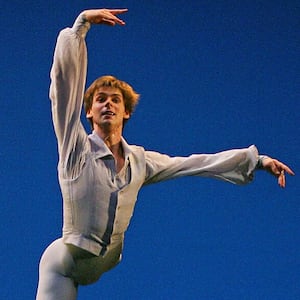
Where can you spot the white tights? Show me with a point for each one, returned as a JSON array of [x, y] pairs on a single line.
[[64, 267]]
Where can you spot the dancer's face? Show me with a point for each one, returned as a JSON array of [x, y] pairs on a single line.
[[108, 109]]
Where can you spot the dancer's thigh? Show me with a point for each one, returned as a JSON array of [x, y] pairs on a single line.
[[55, 267]]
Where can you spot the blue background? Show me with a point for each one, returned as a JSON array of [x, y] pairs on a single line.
[[213, 75]]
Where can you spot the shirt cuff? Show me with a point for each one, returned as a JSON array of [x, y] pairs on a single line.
[[81, 26], [259, 165]]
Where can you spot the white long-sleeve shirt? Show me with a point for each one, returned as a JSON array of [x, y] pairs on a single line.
[[98, 203]]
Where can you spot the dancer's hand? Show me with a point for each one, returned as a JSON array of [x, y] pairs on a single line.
[[276, 168], [104, 16]]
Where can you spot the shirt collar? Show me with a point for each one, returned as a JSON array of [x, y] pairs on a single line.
[[101, 148]]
